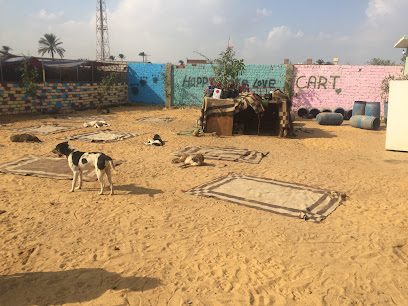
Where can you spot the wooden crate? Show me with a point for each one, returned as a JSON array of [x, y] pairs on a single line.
[[222, 125]]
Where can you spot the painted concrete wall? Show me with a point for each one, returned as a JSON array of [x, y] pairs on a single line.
[[189, 83], [56, 96], [146, 84], [339, 85]]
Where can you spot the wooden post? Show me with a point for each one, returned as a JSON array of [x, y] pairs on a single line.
[[43, 70]]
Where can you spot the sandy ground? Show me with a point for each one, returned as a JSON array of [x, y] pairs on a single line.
[[152, 244]]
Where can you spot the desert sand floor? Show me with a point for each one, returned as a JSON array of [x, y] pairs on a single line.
[[152, 244]]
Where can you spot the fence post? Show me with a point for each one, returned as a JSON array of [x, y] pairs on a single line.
[[43, 70]]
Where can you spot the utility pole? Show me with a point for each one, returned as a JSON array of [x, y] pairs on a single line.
[[102, 37]]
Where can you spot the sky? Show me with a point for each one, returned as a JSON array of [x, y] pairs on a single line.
[[261, 31]]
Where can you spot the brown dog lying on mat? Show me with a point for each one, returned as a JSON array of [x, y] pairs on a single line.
[[79, 161], [189, 160]]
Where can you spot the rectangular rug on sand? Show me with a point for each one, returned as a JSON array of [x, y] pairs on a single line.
[[288, 199], [229, 154], [101, 136], [155, 119], [45, 129], [45, 166]]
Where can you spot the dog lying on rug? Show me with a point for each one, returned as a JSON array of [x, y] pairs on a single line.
[[189, 160], [79, 161], [96, 124]]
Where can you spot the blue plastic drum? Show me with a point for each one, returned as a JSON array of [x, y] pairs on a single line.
[[373, 109], [359, 108]]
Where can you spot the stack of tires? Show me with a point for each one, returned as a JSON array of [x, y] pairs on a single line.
[[366, 115]]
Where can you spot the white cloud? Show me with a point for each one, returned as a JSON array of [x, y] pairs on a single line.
[[379, 8], [263, 12], [218, 19], [42, 14]]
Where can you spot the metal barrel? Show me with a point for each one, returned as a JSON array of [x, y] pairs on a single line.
[[359, 108], [365, 122], [325, 110], [347, 114], [329, 119], [302, 111], [313, 111], [339, 110], [373, 109], [385, 112]]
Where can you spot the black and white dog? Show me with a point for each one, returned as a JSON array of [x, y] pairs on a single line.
[[79, 161]]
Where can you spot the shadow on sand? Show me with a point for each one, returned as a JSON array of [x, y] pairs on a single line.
[[133, 189], [72, 286]]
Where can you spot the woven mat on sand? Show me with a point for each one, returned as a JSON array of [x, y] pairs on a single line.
[[45, 129], [293, 200], [45, 166], [101, 136], [229, 154]]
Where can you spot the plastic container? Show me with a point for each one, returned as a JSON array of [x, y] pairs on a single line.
[[365, 122], [359, 108], [302, 111], [373, 109], [329, 119], [313, 111], [339, 110]]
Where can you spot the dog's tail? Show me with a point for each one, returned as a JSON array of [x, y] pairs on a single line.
[[112, 165]]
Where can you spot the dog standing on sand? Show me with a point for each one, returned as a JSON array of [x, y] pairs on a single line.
[[79, 161]]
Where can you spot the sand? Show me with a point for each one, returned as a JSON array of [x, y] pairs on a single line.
[[152, 244]]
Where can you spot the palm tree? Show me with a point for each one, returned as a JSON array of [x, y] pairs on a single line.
[[112, 58], [121, 56], [143, 55], [6, 49], [50, 44]]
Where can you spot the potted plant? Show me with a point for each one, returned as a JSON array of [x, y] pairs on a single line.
[[227, 70]]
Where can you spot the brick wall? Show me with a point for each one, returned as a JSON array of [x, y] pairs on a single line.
[[339, 85], [190, 82], [56, 96], [146, 84]]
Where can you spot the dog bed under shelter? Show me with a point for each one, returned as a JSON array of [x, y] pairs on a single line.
[[270, 113]]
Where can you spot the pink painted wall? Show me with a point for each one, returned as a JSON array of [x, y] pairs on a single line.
[[339, 85]]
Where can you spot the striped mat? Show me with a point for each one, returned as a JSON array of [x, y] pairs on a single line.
[[45, 129], [288, 199], [45, 166], [228, 154], [101, 136]]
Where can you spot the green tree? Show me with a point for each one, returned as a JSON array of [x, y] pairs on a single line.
[[112, 58], [181, 62], [320, 62], [121, 56], [50, 44], [380, 62], [227, 69], [6, 49], [143, 55]]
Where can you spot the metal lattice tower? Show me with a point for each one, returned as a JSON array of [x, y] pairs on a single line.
[[102, 37]]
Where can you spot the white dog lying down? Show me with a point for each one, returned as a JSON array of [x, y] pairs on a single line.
[[96, 124], [79, 161]]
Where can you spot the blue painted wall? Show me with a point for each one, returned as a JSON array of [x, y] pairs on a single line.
[[146, 84]]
